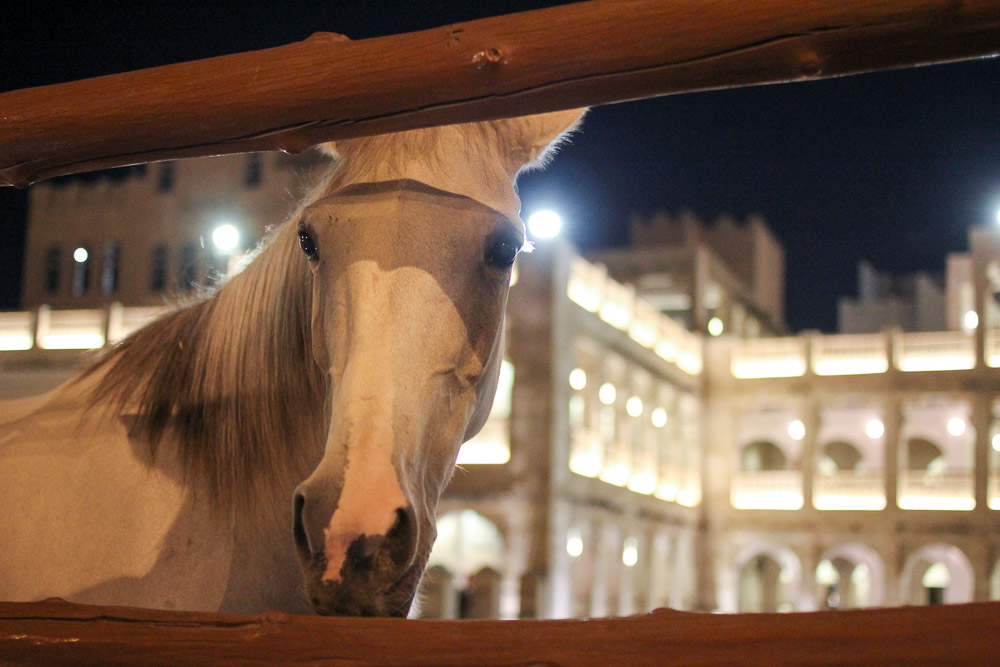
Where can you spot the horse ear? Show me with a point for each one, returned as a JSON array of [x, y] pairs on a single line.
[[530, 141]]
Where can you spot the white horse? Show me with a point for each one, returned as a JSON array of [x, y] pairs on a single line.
[[299, 424]]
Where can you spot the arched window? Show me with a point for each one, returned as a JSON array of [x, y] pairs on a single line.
[[763, 585], [838, 456], [921, 453], [469, 554], [762, 455]]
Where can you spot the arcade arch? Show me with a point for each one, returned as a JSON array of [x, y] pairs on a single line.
[[465, 568], [937, 573]]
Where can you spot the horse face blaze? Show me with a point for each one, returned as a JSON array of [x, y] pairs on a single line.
[[414, 361]]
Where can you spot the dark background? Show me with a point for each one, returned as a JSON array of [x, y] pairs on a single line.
[[892, 167]]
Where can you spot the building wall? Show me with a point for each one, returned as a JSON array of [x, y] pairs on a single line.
[[169, 205]]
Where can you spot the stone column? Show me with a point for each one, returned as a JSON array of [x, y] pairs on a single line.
[[893, 419], [810, 418], [982, 418]]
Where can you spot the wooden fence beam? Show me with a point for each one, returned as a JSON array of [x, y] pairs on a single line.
[[328, 87], [56, 632]]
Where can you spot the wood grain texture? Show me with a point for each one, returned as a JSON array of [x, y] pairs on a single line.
[[328, 87], [59, 632]]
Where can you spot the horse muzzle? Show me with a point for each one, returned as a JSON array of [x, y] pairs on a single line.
[[352, 565]]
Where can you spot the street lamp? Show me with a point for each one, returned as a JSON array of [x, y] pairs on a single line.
[[544, 224], [225, 237]]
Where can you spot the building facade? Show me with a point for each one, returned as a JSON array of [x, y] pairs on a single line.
[[638, 454]]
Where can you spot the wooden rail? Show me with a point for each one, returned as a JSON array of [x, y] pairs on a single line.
[[59, 632], [328, 87]]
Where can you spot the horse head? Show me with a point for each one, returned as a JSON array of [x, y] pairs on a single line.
[[411, 246]]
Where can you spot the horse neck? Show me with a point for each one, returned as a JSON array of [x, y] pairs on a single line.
[[229, 382]]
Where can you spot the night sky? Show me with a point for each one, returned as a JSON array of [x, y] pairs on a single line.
[[891, 167]]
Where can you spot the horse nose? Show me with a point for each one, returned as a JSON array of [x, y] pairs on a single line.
[[383, 553]]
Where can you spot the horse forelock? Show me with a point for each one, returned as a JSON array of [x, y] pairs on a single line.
[[229, 382]]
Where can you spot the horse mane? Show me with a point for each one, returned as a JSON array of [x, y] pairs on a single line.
[[230, 381]]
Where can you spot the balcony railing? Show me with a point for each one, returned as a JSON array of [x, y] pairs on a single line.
[[946, 490], [591, 288], [769, 357], [850, 490], [767, 490], [856, 354], [71, 329], [850, 354], [935, 351]]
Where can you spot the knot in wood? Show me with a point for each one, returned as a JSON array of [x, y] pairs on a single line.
[[810, 64], [488, 58]]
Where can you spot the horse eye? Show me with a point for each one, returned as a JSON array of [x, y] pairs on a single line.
[[501, 253], [308, 245]]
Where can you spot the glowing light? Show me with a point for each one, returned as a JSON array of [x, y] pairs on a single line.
[[72, 341], [851, 366], [574, 543], [666, 491], [796, 429], [776, 368], [15, 342], [875, 429], [643, 482], [615, 474], [666, 350], [585, 464], [971, 320], [936, 576], [630, 552], [583, 295], [715, 326], [689, 496], [544, 224], [826, 573], [847, 501], [953, 503], [578, 379], [767, 500], [659, 418], [225, 237], [995, 441], [80, 255], [616, 314], [689, 363], [956, 426], [607, 393], [483, 452], [633, 406]]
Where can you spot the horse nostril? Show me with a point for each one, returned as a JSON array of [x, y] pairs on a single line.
[[401, 538], [298, 528]]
